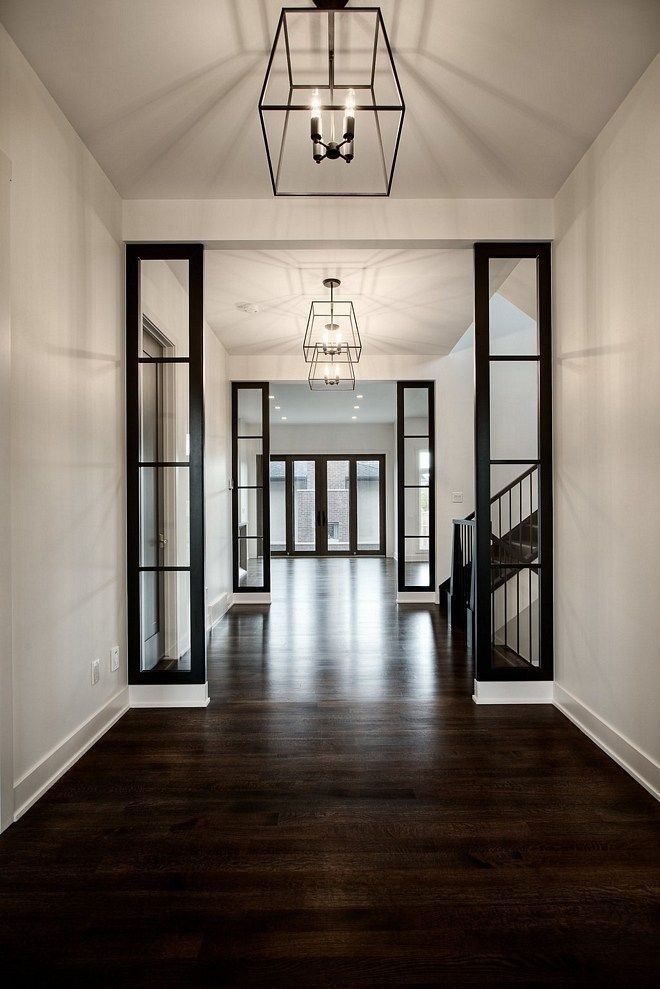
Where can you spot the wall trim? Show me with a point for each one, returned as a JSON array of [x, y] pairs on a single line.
[[416, 597], [251, 597], [217, 609], [513, 692], [62, 757], [641, 766], [168, 694]]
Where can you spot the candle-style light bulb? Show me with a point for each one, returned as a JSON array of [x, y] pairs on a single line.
[[316, 127], [349, 125]]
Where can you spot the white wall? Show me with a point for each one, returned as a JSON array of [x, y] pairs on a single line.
[[67, 442], [607, 423], [337, 438], [217, 471], [6, 726]]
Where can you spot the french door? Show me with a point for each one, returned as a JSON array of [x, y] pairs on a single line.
[[327, 505]]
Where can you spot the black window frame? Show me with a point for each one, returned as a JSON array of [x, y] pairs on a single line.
[[401, 436], [264, 387], [483, 253], [194, 255]]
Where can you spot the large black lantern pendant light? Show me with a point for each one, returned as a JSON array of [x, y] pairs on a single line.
[[332, 329], [331, 106]]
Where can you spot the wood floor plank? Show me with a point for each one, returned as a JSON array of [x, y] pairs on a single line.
[[342, 814]]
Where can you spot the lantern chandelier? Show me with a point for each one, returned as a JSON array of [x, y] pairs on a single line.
[[330, 75], [332, 343]]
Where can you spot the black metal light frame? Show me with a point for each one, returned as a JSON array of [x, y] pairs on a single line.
[[329, 9], [351, 350]]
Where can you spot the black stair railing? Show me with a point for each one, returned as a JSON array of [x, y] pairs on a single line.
[[514, 550]]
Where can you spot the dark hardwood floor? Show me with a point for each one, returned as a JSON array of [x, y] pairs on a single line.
[[342, 814]]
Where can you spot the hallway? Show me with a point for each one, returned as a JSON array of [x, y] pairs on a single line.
[[341, 814]]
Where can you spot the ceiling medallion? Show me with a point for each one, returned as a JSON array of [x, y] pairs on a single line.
[[331, 98]]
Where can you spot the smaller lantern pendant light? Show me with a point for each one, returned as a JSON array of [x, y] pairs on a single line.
[[332, 329], [326, 374]]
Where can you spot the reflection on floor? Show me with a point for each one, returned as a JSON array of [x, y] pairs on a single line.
[[341, 814], [333, 631]]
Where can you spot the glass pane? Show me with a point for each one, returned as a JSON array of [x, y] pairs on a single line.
[[250, 512], [368, 504], [165, 309], [304, 506], [249, 409], [165, 612], [251, 562], [278, 506], [514, 618], [416, 461], [338, 506], [514, 514], [164, 516], [164, 429], [415, 412], [417, 511], [249, 469], [514, 403], [416, 563], [513, 306]]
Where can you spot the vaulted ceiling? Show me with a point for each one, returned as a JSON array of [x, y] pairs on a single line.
[[503, 96]]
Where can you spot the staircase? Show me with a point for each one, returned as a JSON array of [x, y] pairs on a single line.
[[514, 545]]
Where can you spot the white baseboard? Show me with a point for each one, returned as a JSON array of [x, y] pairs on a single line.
[[251, 597], [55, 763], [641, 766], [217, 609], [416, 597], [513, 692], [168, 695]]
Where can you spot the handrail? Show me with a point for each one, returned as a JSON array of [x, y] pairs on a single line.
[[505, 490]]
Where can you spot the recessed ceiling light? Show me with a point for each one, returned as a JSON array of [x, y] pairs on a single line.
[[353, 417], [283, 418], [360, 396], [278, 407], [356, 406], [271, 396]]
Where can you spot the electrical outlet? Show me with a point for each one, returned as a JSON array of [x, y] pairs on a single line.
[[96, 671], [457, 497], [114, 659]]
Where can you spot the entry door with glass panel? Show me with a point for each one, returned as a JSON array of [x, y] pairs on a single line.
[[416, 485], [330, 505]]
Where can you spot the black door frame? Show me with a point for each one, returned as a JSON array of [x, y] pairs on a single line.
[[194, 255], [320, 460], [401, 437], [483, 252]]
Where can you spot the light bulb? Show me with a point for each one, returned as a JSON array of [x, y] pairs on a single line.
[[316, 127]]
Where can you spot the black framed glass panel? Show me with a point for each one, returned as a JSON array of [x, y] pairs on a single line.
[[250, 487], [165, 424], [416, 485], [513, 432]]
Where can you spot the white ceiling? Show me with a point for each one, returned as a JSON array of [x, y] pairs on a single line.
[[503, 96], [301, 406], [406, 302]]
